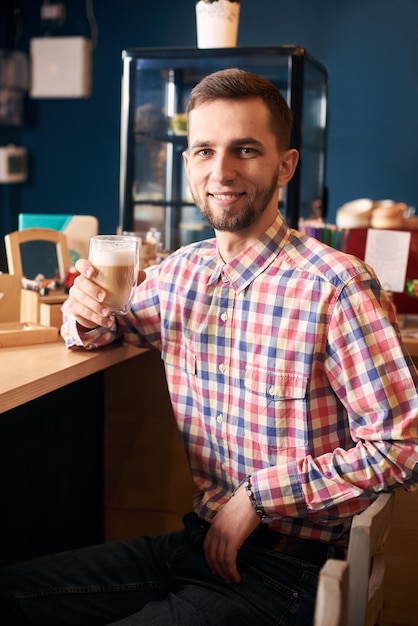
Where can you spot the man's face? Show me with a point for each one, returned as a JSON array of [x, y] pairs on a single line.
[[233, 163]]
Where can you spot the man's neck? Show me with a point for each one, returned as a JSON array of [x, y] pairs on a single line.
[[230, 245]]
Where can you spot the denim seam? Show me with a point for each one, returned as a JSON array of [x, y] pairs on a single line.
[[81, 590]]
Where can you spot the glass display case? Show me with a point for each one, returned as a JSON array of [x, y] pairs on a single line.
[[156, 83]]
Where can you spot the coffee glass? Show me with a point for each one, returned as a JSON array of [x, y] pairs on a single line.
[[116, 260]]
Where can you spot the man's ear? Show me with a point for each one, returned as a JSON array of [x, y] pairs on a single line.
[[288, 166]]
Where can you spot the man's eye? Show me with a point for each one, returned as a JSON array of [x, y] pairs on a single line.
[[204, 152], [246, 151]]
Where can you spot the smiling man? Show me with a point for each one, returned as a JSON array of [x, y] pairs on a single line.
[[238, 160], [293, 393]]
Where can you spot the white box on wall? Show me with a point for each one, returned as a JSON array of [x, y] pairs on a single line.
[[61, 67]]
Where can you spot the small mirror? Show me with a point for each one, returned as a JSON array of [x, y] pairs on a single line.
[[39, 257]]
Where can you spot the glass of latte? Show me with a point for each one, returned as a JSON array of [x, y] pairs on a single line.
[[116, 259]]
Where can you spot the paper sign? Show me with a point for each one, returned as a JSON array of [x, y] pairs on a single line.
[[387, 252]]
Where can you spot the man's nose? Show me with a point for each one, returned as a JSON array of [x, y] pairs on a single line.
[[223, 168]]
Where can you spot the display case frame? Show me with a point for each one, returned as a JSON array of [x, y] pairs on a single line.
[[155, 86]]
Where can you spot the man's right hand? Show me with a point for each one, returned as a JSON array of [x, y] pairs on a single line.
[[86, 300]]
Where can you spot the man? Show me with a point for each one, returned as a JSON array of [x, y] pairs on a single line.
[[294, 395]]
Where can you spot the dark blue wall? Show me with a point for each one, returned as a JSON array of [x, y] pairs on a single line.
[[370, 48]]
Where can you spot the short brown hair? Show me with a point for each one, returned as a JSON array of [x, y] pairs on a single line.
[[233, 83]]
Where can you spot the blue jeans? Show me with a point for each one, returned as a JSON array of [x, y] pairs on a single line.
[[157, 581]]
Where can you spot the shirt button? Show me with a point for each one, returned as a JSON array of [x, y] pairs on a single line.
[[222, 368], [224, 317], [272, 391], [220, 419]]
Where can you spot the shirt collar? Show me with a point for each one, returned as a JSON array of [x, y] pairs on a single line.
[[252, 261]]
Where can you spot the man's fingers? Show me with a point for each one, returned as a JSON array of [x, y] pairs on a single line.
[[221, 557]]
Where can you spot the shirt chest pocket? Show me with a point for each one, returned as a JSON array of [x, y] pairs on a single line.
[[276, 385], [177, 355]]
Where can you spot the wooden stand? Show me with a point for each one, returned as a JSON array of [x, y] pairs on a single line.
[[45, 310]]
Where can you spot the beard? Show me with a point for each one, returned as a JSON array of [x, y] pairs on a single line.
[[232, 223]]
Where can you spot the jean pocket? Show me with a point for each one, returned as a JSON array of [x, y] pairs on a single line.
[[279, 585]]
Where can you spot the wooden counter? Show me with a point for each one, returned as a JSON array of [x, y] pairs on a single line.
[[52, 405], [28, 372], [89, 448], [148, 484]]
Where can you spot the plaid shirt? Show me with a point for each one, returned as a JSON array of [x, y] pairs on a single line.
[[287, 364]]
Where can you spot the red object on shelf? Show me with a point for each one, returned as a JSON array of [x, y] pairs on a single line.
[[357, 245], [69, 279]]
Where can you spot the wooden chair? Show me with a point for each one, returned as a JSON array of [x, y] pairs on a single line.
[[366, 559], [29, 264], [331, 606]]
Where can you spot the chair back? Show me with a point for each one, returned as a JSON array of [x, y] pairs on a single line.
[[366, 558], [29, 252], [331, 604]]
